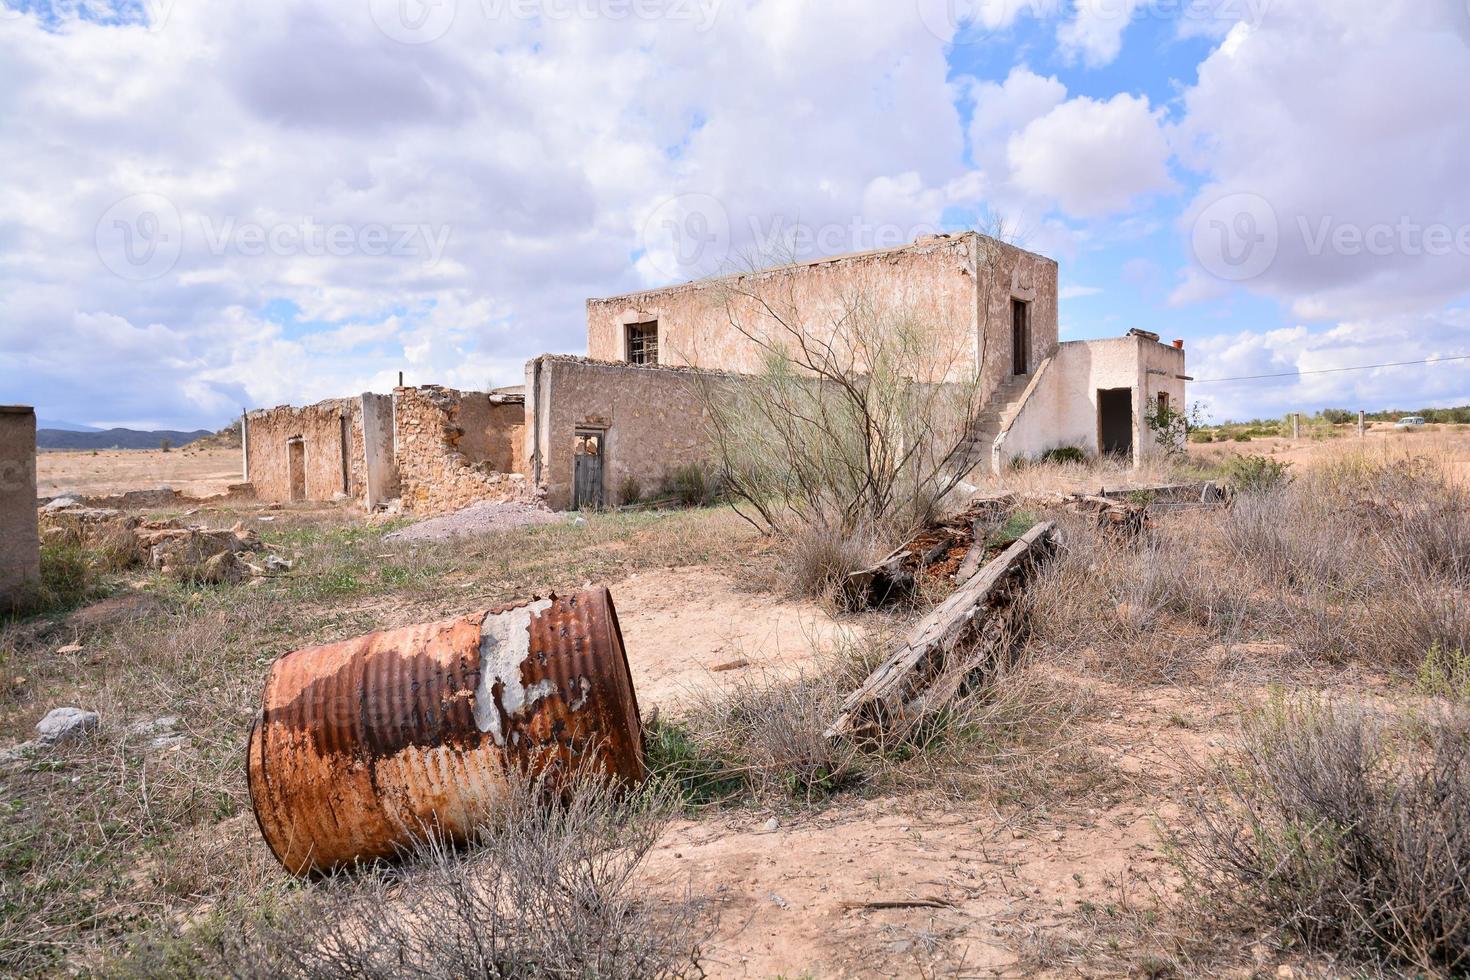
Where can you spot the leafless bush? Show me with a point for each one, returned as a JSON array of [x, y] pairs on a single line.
[[1351, 835], [546, 890], [850, 432]]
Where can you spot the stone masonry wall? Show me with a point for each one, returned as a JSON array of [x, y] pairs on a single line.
[[20, 557], [435, 473]]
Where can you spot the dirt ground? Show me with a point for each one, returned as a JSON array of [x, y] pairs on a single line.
[[195, 472]]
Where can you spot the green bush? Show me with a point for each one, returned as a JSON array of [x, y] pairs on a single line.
[[1201, 437], [630, 491], [1242, 437], [1064, 454], [691, 485], [1248, 474]]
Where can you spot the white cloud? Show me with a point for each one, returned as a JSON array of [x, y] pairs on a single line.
[[1095, 30], [1348, 118], [1348, 344], [1092, 158], [537, 146]]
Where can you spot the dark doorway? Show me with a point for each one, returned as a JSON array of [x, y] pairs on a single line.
[[296, 467], [1115, 421], [1020, 336], [587, 454]]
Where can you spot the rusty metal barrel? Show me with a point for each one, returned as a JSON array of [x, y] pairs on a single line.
[[363, 747]]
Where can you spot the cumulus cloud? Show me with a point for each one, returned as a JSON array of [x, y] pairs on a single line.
[[1337, 128], [442, 208], [1094, 32], [1093, 158], [1312, 359]]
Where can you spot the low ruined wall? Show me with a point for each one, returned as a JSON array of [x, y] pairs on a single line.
[[435, 474], [268, 432], [20, 561], [651, 416]]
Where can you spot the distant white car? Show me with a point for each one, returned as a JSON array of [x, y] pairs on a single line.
[[1409, 422]]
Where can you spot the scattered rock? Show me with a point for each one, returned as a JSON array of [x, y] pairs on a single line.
[[62, 503], [63, 724], [772, 825], [69, 649], [275, 564], [162, 733], [779, 902]]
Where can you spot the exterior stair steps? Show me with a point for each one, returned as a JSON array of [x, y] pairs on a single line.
[[998, 412]]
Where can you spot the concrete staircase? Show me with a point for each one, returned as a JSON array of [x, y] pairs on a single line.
[[997, 414]]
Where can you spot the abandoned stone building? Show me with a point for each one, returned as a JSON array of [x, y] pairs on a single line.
[[583, 431], [20, 547]]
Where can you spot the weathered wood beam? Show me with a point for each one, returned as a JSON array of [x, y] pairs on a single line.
[[971, 626]]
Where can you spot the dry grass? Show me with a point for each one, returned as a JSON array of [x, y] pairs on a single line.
[[545, 891], [1359, 560], [112, 838], [761, 741], [1340, 829]]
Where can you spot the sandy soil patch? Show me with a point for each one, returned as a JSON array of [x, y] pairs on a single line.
[[680, 624], [989, 893], [197, 473], [483, 518]]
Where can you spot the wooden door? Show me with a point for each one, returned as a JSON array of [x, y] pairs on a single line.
[[587, 471]]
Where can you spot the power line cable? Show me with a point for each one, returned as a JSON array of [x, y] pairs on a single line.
[[1365, 367]]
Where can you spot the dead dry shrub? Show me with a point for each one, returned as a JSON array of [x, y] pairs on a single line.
[[763, 740], [1343, 831], [1138, 609], [546, 890]]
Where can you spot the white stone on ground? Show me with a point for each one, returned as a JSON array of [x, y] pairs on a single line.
[[61, 724]]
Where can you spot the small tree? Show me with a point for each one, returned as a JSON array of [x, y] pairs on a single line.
[[1171, 428], [850, 434], [165, 444]]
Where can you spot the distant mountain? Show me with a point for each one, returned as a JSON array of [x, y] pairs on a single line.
[[53, 438], [65, 426]]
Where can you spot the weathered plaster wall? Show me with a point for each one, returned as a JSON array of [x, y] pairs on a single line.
[[320, 427], [435, 474], [652, 417], [1062, 408], [950, 285], [20, 556]]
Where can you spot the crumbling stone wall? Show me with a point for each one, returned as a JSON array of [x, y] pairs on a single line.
[[959, 288], [651, 417], [20, 555], [436, 474], [330, 467]]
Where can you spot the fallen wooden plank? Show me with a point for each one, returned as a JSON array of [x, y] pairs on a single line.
[[953, 626]]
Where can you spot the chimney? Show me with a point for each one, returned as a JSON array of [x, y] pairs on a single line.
[[1178, 345]]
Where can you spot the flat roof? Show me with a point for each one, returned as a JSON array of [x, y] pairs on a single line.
[[918, 245], [17, 410]]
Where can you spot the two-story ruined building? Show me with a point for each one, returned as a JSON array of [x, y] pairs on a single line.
[[629, 412]]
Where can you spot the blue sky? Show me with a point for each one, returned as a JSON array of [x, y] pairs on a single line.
[[212, 206]]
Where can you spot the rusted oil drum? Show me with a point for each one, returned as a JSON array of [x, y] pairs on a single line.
[[361, 747]]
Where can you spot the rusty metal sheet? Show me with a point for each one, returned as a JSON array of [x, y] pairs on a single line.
[[364, 746]]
